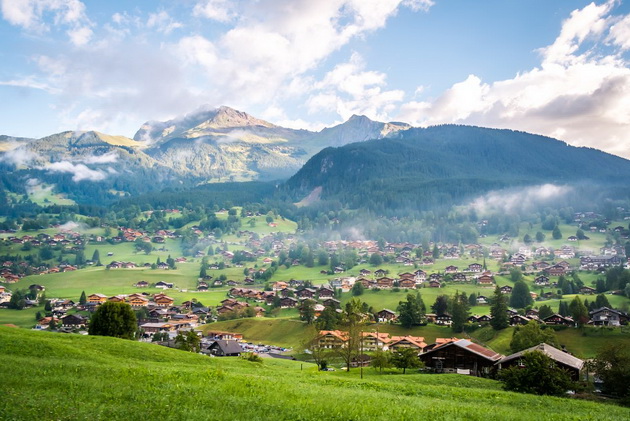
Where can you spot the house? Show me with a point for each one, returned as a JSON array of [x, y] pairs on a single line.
[[74, 321], [461, 356], [288, 302], [164, 285], [541, 281], [331, 302], [587, 290], [142, 284], [518, 320], [475, 267], [506, 289], [96, 298], [332, 339], [386, 315], [400, 342], [486, 318], [380, 273], [435, 284], [558, 320], [162, 300], [219, 335], [607, 317], [407, 283], [371, 341], [459, 277], [451, 269], [485, 280], [482, 300], [561, 358], [443, 319], [555, 270], [306, 293], [384, 282], [223, 348], [324, 292]]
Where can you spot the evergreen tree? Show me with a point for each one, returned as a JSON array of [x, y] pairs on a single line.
[[540, 237], [459, 312], [578, 311], [83, 298], [412, 311], [520, 297], [441, 305], [357, 289], [563, 309], [556, 234], [376, 259], [545, 311], [601, 301], [472, 299], [307, 311], [96, 258], [498, 310]]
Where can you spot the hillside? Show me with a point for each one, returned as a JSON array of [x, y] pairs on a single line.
[[53, 376], [439, 165]]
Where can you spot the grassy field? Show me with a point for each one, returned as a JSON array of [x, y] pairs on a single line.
[[105, 378], [288, 333]]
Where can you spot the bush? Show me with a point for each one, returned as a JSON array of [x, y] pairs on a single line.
[[539, 375], [253, 357]]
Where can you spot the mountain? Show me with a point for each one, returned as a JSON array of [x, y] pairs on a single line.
[[419, 168], [207, 145]]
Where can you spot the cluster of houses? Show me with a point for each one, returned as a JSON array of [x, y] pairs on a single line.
[[448, 355]]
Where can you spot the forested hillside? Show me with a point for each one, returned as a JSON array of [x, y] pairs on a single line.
[[440, 165]]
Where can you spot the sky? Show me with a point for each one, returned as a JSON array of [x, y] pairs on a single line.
[[553, 67]]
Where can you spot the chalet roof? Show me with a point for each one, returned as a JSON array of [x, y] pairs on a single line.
[[599, 310], [553, 353], [472, 347], [228, 347]]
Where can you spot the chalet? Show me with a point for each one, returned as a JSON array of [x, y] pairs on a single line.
[[367, 283], [324, 292], [461, 356], [96, 298], [518, 320], [66, 304], [142, 284], [435, 284], [137, 300], [459, 277], [332, 339], [484, 319], [331, 302], [386, 315], [371, 341], [555, 270], [485, 280], [506, 289], [587, 290], [558, 320], [163, 285], [407, 283], [482, 300], [306, 293], [562, 359], [288, 302], [415, 342], [157, 327], [365, 272], [116, 299], [380, 273], [451, 269], [532, 313], [74, 321], [541, 281], [590, 262], [475, 267], [443, 319], [420, 275], [223, 348], [162, 300], [384, 282], [608, 317]]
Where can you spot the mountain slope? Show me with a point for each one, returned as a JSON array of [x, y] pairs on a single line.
[[444, 163]]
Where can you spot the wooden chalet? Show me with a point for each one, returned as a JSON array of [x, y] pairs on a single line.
[[558, 320], [384, 282], [407, 283], [485, 280], [461, 356], [400, 342], [519, 320], [386, 315], [223, 348], [332, 339], [96, 298], [506, 289], [608, 317], [561, 359]]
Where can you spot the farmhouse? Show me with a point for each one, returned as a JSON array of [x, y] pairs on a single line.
[[96, 298], [222, 348], [607, 317], [386, 315], [461, 356], [562, 359]]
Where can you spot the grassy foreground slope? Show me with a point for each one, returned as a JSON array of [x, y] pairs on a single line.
[[53, 376]]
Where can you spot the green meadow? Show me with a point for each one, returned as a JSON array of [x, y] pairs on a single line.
[[72, 377]]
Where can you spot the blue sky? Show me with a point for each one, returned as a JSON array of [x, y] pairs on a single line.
[[557, 68]]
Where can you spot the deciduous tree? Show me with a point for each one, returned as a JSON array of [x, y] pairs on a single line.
[[113, 319]]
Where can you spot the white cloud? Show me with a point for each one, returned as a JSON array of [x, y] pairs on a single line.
[[577, 94], [18, 155], [219, 10], [349, 89], [79, 171], [106, 158], [162, 22], [32, 16], [519, 199]]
